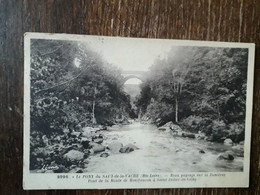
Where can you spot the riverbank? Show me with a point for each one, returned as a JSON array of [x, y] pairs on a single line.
[[133, 147]]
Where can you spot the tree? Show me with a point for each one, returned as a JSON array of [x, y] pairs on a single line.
[[203, 85], [71, 85]]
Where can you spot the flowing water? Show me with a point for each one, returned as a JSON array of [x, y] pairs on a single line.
[[160, 151]]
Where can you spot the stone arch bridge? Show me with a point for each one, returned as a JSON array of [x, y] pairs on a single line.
[[141, 75]]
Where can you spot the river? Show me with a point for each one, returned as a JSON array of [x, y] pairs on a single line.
[[160, 151]]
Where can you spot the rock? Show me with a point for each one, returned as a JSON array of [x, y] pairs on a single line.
[[86, 134], [40, 171], [57, 138], [76, 170], [209, 138], [189, 135], [115, 146], [98, 148], [226, 156], [104, 155], [75, 133], [73, 166], [162, 129], [128, 148], [85, 144], [98, 140], [42, 152], [49, 171], [78, 127], [170, 126], [85, 161], [202, 151], [66, 131], [238, 147], [103, 127], [45, 140], [228, 142], [200, 135], [40, 160], [222, 139], [74, 155], [238, 150], [174, 127], [90, 130]]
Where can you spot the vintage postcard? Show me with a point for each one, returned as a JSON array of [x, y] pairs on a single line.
[[112, 112]]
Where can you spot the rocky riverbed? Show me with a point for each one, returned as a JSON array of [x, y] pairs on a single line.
[[136, 147]]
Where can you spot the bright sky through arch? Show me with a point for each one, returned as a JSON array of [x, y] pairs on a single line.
[[133, 81], [128, 53]]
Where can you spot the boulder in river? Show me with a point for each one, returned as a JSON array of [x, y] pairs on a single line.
[[98, 140], [98, 148], [226, 156], [115, 146], [228, 142], [202, 151], [170, 126], [128, 148], [89, 129], [200, 135], [238, 150], [162, 129], [86, 134], [74, 155], [104, 155], [189, 135]]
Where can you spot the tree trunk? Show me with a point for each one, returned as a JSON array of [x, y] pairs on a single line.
[[139, 115], [93, 108], [218, 111], [176, 109]]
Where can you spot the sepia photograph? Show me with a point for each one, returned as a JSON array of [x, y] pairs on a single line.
[[111, 105]]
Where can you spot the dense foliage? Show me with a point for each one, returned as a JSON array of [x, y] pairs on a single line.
[[71, 87], [200, 88]]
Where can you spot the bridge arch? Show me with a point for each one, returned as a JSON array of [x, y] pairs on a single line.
[[132, 77], [140, 75]]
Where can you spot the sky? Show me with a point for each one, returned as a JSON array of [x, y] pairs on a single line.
[[130, 54]]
